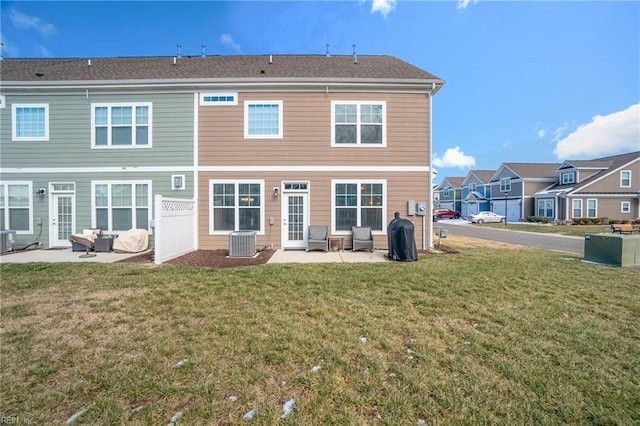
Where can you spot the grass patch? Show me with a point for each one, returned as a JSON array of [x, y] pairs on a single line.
[[570, 230], [484, 336]]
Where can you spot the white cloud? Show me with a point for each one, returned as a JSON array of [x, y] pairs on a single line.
[[26, 22], [605, 134], [541, 133], [453, 157], [227, 40], [383, 6], [462, 4]]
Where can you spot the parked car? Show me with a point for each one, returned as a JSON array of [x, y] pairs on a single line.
[[446, 214], [486, 217]]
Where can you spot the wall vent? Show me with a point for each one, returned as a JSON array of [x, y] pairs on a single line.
[[242, 244], [6, 241]]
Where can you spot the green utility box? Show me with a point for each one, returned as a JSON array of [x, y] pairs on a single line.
[[612, 249]]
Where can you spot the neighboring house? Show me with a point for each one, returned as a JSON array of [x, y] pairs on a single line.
[[606, 187], [450, 193], [476, 192], [513, 186], [267, 143]]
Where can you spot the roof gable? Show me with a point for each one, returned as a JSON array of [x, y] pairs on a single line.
[[526, 171]]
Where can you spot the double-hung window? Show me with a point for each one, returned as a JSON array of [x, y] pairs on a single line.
[[16, 208], [236, 206], [121, 205], [358, 123], [625, 207], [576, 208], [358, 203], [505, 184], [625, 179], [592, 208], [30, 122], [545, 208], [568, 178], [263, 119], [121, 125]]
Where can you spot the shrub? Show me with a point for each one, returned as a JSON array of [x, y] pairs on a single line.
[[537, 219]]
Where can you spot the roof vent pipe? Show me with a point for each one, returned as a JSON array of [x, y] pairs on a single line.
[[174, 60], [204, 47], [88, 62], [355, 55]]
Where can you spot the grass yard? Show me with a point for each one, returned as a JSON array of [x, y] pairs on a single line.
[[488, 336], [570, 230]]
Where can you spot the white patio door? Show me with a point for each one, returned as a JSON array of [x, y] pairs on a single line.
[[295, 218], [62, 220]]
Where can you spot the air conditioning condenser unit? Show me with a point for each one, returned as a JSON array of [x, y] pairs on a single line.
[[6, 241], [242, 244]]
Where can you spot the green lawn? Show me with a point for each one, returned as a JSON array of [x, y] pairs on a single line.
[[486, 336], [571, 230]]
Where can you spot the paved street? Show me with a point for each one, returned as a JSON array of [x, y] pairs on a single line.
[[531, 239]]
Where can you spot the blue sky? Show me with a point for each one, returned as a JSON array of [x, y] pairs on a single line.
[[539, 81]]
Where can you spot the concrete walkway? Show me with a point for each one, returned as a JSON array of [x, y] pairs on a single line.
[[347, 256], [62, 255]]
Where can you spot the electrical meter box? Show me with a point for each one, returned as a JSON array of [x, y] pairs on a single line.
[[411, 207], [421, 208]]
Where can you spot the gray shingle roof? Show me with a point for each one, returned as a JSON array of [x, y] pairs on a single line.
[[368, 67]]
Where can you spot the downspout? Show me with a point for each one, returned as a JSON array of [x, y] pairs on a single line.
[[429, 213], [196, 172]]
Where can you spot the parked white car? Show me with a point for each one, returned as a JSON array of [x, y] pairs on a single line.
[[486, 217]]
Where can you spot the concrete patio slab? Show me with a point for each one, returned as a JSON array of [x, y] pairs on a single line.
[[347, 256], [62, 255]]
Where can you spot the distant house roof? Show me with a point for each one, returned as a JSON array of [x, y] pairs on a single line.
[[605, 165], [217, 68], [483, 175], [546, 171], [451, 182]]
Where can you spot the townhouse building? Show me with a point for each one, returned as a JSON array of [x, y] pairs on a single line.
[[263, 143]]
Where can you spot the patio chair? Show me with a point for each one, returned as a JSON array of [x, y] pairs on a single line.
[[362, 238], [318, 238]]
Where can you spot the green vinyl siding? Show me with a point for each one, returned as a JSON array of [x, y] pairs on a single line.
[[160, 184], [69, 143]]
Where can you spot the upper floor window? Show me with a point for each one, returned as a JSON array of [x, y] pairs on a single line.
[[472, 187], [30, 122], [625, 179], [568, 178], [16, 206], [358, 123], [121, 205], [219, 99], [121, 125], [263, 119], [505, 184]]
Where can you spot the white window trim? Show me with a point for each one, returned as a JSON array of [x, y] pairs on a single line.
[[595, 200], [6, 185], [3, 102], [247, 104], [358, 182], [110, 207], [505, 185], [218, 103], [568, 178], [358, 124], [109, 105], [14, 122], [236, 208], [625, 186], [625, 207], [579, 208]]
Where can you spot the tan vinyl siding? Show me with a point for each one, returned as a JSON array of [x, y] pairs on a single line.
[[400, 187], [307, 132]]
